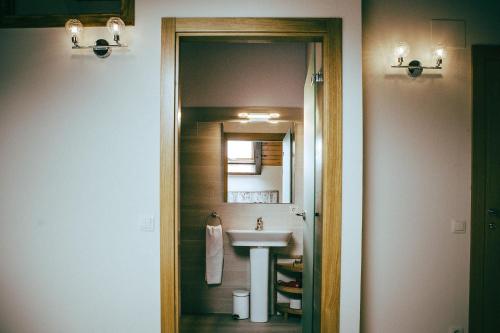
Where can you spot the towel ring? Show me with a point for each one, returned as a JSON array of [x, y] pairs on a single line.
[[213, 215]]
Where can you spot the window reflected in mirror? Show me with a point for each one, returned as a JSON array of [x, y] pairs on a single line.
[[243, 157], [258, 162]]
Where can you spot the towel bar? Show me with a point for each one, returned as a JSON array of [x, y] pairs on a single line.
[[213, 215]]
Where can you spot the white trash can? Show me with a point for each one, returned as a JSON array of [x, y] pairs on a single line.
[[241, 300]]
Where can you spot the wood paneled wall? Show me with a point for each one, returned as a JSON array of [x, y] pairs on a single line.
[[202, 190], [272, 153]]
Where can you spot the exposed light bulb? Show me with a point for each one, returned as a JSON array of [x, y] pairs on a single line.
[[115, 26], [439, 54], [74, 28], [274, 115], [401, 51]]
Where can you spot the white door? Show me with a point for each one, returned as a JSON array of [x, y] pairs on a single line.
[[286, 187]]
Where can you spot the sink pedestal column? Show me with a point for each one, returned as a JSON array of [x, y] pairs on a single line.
[[259, 284]]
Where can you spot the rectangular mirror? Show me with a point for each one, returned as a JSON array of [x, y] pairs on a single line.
[[258, 162]]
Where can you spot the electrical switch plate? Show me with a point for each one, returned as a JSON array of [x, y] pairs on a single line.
[[458, 227], [148, 224], [456, 330]]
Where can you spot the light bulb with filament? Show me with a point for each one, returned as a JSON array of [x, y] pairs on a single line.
[[115, 26], [439, 54], [401, 51], [74, 28]]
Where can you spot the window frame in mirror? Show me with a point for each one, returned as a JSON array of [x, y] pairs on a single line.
[[257, 158], [255, 137]]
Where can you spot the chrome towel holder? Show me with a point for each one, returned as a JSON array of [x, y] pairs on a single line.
[[213, 215]]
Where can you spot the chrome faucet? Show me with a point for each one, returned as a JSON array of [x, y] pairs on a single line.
[[260, 224]]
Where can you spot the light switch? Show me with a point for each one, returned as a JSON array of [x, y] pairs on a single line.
[[458, 227], [148, 224]]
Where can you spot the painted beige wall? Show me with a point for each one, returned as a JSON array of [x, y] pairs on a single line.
[[417, 167], [79, 168], [218, 74]]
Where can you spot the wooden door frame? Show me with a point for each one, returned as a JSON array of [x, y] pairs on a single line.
[[326, 30], [478, 210]]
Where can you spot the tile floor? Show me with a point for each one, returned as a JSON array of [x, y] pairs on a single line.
[[224, 323]]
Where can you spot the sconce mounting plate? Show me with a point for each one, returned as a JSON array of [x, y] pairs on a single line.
[[415, 68], [101, 50]]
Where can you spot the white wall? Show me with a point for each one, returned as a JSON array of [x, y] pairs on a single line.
[[79, 147], [417, 167], [268, 180]]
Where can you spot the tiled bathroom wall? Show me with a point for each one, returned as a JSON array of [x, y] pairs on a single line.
[[202, 191]]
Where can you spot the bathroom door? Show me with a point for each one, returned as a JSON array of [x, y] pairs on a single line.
[[312, 189], [318, 202], [485, 236]]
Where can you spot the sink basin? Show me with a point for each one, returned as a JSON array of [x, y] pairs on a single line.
[[263, 238], [259, 243]]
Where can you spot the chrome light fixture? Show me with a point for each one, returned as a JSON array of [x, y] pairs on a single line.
[[101, 48], [259, 117], [415, 67]]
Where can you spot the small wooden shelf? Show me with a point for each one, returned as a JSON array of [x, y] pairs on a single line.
[[291, 267], [285, 308], [290, 290]]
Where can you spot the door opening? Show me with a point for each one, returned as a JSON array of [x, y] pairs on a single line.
[[326, 242]]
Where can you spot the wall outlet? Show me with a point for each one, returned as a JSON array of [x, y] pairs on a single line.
[[456, 330], [148, 224]]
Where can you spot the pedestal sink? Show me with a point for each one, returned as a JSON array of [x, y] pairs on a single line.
[[259, 243]]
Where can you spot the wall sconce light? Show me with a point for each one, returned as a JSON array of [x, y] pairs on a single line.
[[414, 67], [101, 48]]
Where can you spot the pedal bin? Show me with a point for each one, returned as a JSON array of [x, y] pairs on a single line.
[[241, 300]]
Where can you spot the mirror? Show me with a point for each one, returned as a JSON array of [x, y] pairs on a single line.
[[258, 162]]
